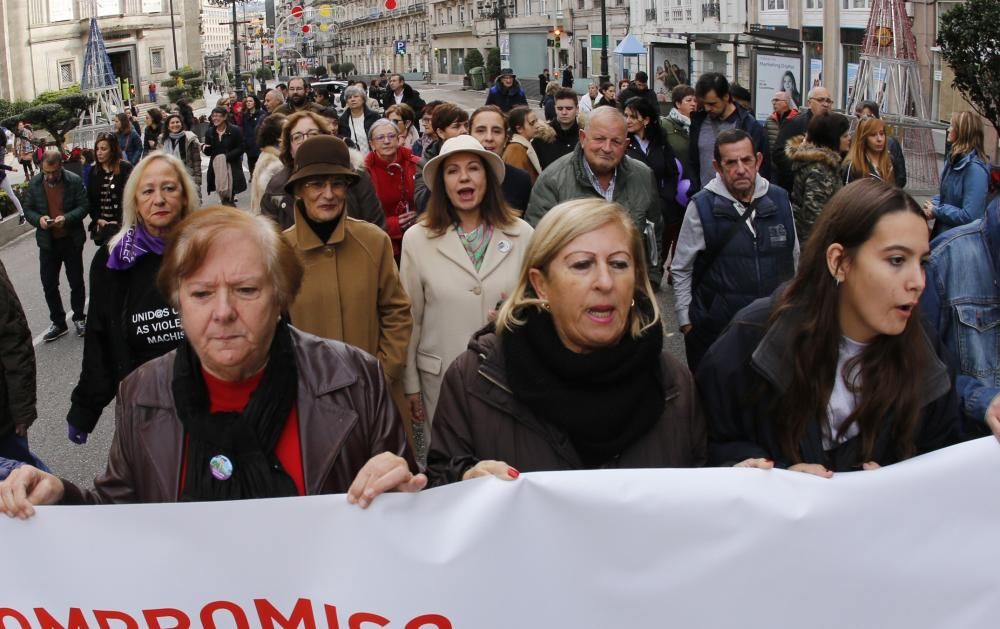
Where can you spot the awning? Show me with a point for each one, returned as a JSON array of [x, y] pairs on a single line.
[[630, 46]]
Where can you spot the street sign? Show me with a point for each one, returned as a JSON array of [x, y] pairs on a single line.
[[400, 47]]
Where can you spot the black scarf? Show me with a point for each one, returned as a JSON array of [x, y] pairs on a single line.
[[245, 440], [603, 401]]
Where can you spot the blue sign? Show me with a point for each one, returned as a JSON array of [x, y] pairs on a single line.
[[400, 47]]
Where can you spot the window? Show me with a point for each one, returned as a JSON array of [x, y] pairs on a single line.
[[814, 4], [461, 14], [857, 4], [773, 5], [67, 73], [156, 60]]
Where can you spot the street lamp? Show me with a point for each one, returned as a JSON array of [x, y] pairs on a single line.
[[235, 50]]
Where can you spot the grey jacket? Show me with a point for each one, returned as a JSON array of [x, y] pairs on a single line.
[[566, 179]]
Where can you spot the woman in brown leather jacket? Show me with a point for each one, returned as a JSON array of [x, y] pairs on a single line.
[[247, 406], [573, 374]]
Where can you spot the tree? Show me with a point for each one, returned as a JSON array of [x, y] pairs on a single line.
[[335, 69], [319, 71], [347, 68], [264, 73], [58, 117], [473, 59], [185, 82], [969, 37], [492, 64]]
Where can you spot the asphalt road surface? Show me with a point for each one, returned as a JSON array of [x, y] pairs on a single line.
[[59, 362]]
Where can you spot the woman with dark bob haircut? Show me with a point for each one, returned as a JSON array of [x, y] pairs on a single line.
[[836, 371], [246, 406]]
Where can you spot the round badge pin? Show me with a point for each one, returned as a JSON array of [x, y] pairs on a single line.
[[503, 246], [222, 467]]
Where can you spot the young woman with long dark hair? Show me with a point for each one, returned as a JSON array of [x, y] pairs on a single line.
[[836, 371], [105, 187]]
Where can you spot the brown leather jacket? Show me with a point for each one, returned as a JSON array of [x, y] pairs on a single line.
[[478, 418], [345, 417]]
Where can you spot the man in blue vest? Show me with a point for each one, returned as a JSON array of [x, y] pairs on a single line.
[[737, 244]]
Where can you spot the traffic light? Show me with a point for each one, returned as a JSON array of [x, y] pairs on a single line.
[[557, 32]]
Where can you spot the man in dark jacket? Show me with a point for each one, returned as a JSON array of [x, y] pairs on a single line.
[[567, 77], [297, 99], [638, 87], [56, 203], [719, 114], [401, 92], [506, 93], [225, 140], [818, 102], [17, 377], [543, 81], [737, 243], [566, 128]]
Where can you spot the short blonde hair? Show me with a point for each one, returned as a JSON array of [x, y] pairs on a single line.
[[562, 225], [130, 214], [196, 234]]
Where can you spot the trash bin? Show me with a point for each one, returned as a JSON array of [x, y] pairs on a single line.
[[478, 77]]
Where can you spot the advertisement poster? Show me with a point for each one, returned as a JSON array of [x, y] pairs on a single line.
[[776, 73], [815, 73], [851, 78], [670, 68]]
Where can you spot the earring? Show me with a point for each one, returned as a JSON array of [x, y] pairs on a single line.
[[546, 307], [837, 281], [633, 304]]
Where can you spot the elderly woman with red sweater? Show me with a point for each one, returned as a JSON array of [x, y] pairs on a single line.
[[392, 168]]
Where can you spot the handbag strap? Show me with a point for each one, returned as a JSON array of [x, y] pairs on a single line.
[[714, 254]]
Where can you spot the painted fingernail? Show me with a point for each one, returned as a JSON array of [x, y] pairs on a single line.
[[512, 472]]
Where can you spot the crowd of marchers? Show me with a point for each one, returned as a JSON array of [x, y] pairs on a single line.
[[413, 295]]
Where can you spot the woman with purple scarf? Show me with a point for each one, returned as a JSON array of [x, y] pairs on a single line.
[[128, 321]]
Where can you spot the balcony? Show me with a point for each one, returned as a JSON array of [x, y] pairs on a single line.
[[711, 11]]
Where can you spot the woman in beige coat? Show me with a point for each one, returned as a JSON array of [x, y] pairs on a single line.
[[350, 290], [458, 263]]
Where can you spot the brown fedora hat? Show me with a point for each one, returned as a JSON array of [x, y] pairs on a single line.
[[319, 156]]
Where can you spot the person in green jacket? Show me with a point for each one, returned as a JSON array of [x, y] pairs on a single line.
[[598, 167], [56, 203]]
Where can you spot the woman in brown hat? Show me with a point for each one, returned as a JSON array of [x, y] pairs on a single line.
[[350, 290], [458, 263]]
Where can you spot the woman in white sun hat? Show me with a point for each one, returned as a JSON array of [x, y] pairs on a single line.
[[458, 263]]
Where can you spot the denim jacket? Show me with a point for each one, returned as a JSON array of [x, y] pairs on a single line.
[[962, 302], [964, 187]]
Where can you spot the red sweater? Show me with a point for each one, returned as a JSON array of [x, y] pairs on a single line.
[[395, 198], [230, 397]]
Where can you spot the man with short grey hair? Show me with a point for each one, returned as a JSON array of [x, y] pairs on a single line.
[[783, 113], [587, 101], [598, 167], [272, 100]]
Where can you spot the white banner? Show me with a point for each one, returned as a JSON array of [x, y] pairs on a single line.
[[913, 545]]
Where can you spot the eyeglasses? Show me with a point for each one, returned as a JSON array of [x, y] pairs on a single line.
[[319, 184], [302, 136], [388, 137]]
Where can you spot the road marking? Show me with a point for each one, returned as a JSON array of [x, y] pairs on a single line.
[[35, 342]]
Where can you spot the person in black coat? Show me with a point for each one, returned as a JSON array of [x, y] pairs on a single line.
[[506, 93], [105, 185], [648, 145], [357, 119], [567, 77], [225, 139], [639, 88], [836, 371], [128, 321], [250, 119], [399, 91]]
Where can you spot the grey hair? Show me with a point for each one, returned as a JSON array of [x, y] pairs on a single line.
[[605, 112], [354, 90], [281, 97], [812, 92], [381, 122]]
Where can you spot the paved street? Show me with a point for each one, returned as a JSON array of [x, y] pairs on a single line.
[[59, 362]]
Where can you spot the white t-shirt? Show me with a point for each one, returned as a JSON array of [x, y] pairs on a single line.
[[843, 398], [359, 134]]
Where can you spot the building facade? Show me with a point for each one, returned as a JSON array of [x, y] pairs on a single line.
[[374, 38], [44, 41]]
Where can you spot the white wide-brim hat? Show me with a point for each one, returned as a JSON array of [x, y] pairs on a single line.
[[462, 144]]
